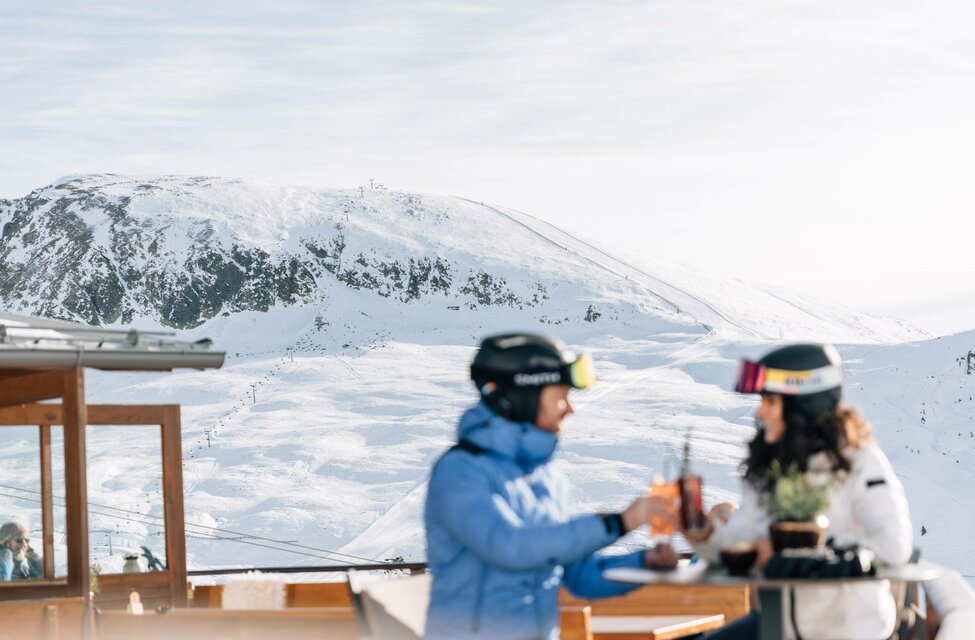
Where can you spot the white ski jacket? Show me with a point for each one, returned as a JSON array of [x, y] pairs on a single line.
[[868, 508]]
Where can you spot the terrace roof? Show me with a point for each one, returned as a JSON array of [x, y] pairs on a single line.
[[39, 343]]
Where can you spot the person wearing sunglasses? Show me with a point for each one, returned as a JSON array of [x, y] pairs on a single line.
[[801, 422], [501, 538], [17, 560]]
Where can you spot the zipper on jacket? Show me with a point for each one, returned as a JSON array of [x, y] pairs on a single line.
[[478, 603]]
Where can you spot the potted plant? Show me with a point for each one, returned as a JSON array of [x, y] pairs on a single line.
[[797, 508]]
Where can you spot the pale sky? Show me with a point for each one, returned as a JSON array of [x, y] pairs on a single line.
[[826, 147]]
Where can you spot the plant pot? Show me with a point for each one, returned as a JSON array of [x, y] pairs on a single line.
[[738, 559], [798, 535]]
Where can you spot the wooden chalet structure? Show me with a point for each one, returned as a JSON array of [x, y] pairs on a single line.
[[42, 384]]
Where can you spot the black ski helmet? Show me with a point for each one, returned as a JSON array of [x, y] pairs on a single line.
[[810, 373], [510, 371]]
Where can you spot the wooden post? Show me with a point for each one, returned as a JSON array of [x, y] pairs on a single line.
[[47, 501], [172, 464], [75, 420]]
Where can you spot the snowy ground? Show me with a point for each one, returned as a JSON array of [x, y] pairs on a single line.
[[316, 455], [313, 443]]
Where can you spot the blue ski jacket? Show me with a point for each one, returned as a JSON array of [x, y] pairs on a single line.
[[501, 539]]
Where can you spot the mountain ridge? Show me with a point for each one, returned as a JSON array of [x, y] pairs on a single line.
[[179, 251]]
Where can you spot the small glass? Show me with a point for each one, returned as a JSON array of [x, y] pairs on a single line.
[[667, 488], [691, 502]]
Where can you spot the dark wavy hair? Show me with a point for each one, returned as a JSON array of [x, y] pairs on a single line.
[[806, 434]]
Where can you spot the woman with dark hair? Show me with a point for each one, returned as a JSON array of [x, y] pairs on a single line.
[[802, 424]]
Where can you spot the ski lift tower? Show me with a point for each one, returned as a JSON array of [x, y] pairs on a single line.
[[42, 384]]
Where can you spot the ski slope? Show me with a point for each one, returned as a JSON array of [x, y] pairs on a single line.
[[313, 443]]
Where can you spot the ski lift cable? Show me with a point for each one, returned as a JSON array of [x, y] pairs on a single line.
[[209, 536], [203, 526], [198, 534]]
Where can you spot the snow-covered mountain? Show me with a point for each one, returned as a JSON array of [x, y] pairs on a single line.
[[180, 251], [350, 318]]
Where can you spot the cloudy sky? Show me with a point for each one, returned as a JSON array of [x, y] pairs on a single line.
[[823, 146]]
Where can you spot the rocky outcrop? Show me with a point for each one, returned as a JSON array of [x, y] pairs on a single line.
[[77, 250]]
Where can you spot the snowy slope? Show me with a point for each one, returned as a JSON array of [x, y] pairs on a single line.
[[336, 449], [917, 397], [341, 388], [921, 401]]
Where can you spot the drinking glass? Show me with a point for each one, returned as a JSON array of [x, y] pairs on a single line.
[[664, 484]]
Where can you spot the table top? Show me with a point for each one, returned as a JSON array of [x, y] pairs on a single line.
[[654, 627], [704, 574]]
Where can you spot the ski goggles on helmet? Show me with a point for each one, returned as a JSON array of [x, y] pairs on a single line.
[[579, 373], [582, 373], [754, 377]]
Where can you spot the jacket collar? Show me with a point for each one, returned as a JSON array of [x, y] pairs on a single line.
[[521, 442]]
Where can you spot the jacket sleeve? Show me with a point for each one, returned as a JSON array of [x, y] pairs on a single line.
[[35, 565], [748, 523], [880, 508], [461, 499], [6, 564], [584, 578]]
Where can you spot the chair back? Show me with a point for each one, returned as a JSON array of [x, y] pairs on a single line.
[[575, 623], [394, 608], [909, 621], [952, 598], [669, 600], [47, 619]]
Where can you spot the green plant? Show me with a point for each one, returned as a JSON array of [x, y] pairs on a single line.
[[792, 498], [95, 571]]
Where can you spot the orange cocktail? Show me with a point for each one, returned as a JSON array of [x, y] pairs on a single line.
[[667, 490]]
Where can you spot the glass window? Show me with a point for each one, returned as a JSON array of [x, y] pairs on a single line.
[[125, 501], [24, 547]]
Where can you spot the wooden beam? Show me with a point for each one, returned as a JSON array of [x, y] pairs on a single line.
[[124, 415], [33, 413], [98, 414], [172, 464], [13, 373], [47, 500], [31, 388], [31, 590], [75, 481]]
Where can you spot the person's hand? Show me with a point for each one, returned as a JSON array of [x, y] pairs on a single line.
[[661, 557], [721, 512], [765, 552], [644, 508]]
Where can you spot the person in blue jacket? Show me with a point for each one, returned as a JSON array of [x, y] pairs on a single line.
[[17, 559], [501, 539]]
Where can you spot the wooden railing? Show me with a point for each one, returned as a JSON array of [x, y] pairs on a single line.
[[411, 567]]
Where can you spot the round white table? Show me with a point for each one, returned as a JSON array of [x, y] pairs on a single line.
[[770, 591]]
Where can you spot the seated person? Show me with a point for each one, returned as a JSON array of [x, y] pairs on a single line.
[[17, 560], [801, 421], [501, 538]]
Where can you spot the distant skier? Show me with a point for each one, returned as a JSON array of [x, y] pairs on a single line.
[[801, 422], [500, 536]]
